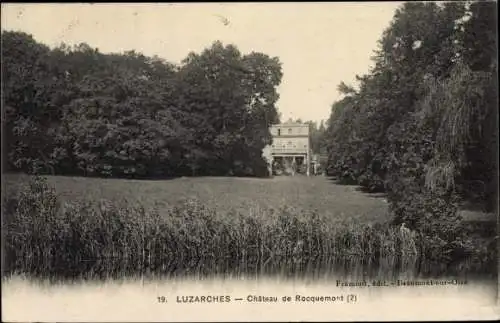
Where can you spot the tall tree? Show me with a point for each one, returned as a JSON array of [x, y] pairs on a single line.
[[421, 124], [75, 110], [28, 104]]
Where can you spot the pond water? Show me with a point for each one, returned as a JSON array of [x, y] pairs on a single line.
[[354, 267], [179, 287]]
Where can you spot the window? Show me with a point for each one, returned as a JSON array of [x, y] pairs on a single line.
[[279, 132], [289, 131]]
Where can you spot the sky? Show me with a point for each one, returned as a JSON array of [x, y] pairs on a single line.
[[319, 44]]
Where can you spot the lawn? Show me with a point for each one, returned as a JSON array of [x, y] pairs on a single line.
[[224, 193]]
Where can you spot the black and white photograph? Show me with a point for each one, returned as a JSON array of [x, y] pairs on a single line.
[[228, 162]]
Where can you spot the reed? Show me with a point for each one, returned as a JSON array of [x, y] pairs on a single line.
[[103, 239]]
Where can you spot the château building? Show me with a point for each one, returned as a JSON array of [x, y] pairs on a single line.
[[290, 148]]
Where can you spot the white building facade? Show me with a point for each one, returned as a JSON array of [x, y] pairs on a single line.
[[290, 148]]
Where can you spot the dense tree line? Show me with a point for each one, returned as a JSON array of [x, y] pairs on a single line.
[[422, 124], [75, 110]]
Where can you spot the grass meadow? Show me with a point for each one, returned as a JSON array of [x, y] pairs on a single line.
[[222, 193]]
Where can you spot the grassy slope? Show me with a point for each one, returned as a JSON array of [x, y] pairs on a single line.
[[223, 193]]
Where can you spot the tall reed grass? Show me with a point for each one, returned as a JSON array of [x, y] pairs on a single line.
[[98, 239]]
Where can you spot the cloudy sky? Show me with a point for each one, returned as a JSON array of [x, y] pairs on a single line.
[[319, 44]]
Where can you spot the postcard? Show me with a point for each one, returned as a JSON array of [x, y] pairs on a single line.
[[185, 162]]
